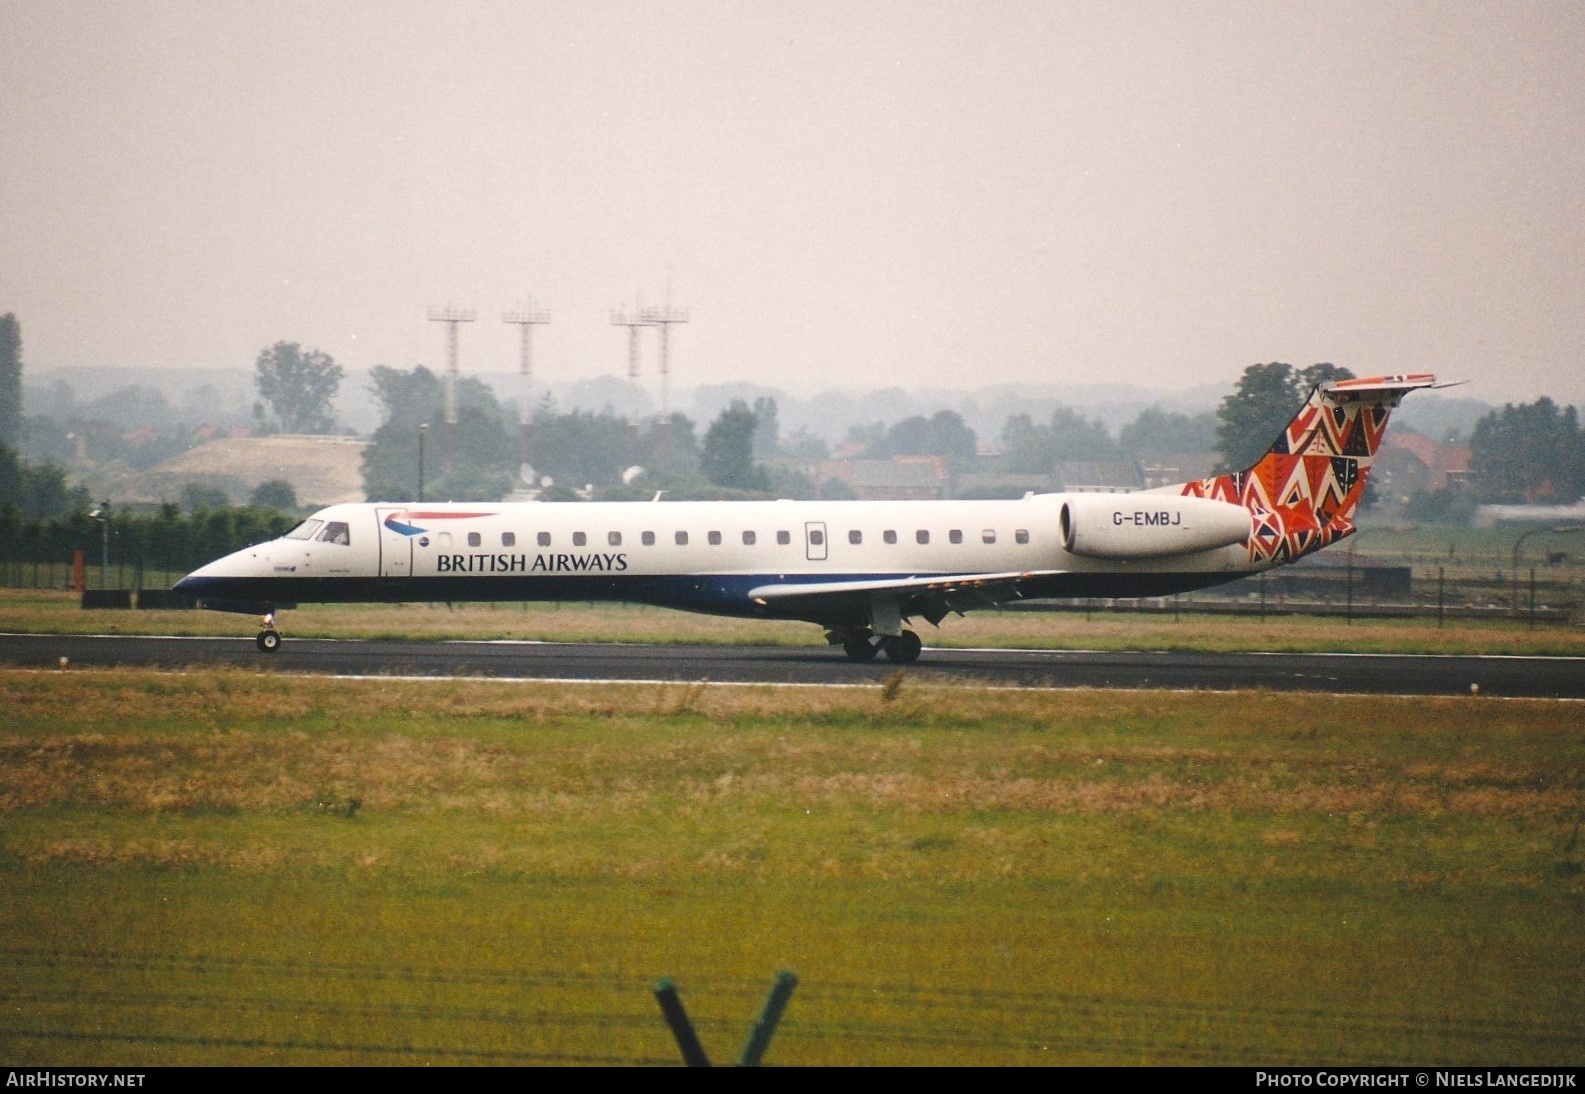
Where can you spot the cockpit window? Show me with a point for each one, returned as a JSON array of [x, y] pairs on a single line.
[[304, 530], [336, 532]]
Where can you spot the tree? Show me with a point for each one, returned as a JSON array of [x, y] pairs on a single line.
[[10, 380], [806, 445], [866, 436], [37, 490], [1533, 453], [834, 489], [299, 385], [1263, 403], [274, 494], [1157, 430], [727, 458], [581, 448], [199, 495], [406, 398], [669, 451], [943, 434], [1028, 448], [486, 445], [767, 428]]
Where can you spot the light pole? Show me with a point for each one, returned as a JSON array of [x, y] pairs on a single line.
[[423, 429], [1559, 530], [102, 515]]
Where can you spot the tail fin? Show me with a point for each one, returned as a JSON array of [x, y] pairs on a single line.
[[1303, 493]]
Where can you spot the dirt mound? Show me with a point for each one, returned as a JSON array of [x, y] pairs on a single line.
[[322, 470]]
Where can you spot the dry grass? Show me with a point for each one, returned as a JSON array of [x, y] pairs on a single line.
[[236, 867], [554, 753]]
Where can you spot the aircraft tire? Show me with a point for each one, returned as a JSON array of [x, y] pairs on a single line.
[[860, 649], [268, 641], [904, 649]]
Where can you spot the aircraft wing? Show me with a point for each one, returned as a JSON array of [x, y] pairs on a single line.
[[932, 597]]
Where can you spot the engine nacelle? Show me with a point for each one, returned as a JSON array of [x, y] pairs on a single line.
[[1129, 526]]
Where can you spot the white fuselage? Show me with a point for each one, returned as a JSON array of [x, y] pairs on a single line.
[[711, 556]]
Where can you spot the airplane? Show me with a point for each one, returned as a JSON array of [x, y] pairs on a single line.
[[861, 570]]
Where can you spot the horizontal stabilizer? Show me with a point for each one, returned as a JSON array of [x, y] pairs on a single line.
[[1379, 385]]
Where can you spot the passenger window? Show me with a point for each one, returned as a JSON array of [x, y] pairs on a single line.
[[508, 539], [989, 535], [580, 540], [921, 536], [714, 538], [614, 538], [1021, 536], [955, 536], [816, 537], [335, 532], [474, 539], [647, 539], [889, 536], [855, 537], [748, 539], [682, 539], [544, 539], [783, 538]]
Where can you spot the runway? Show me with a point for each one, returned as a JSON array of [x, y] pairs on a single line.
[[1379, 674]]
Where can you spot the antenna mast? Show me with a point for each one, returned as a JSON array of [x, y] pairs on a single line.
[[633, 321], [451, 317], [526, 319], [664, 318]]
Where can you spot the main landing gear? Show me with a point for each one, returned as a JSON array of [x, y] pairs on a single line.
[[864, 645], [269, 639]]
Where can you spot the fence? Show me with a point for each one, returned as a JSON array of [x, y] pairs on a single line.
[[128, 551], [1539, 597], [212, 1009]]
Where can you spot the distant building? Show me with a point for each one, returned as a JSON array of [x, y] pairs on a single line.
[[902, 478], [1409, 463], [999, 484], [1171, 468], [1096, 476], [1488, 515]]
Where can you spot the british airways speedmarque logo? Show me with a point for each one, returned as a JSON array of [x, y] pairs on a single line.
[[414, 530]]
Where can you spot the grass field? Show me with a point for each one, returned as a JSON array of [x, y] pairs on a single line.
[[234, 867], [31, 611]]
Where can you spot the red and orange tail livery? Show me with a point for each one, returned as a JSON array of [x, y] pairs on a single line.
[[1303, 493]]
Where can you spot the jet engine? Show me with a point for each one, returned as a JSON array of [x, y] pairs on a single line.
[[1135, 526]]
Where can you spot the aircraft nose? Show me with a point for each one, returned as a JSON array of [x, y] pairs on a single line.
[[209, 577]]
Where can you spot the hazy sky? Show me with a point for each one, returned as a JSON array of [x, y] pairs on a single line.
[[843, 194]]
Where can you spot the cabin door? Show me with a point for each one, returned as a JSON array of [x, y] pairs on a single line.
[[396, 542], [815, 540]]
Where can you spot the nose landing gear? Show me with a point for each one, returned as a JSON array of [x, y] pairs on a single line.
[[268, 639]]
